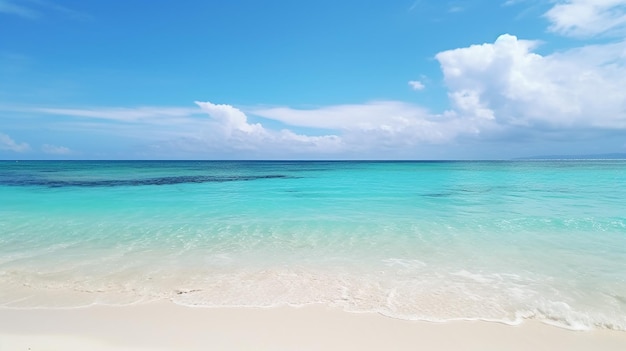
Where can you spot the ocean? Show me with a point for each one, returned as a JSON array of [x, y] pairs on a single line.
[[501, 241]]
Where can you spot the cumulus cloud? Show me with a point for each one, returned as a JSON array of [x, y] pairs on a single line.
[[6, 143], [231, 119], [585, 18], [185, 129], [55, 150], [233, 131], [509, 83], [496, 90], [416, 85]]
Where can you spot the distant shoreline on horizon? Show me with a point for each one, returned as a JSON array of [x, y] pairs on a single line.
[[611, 156]]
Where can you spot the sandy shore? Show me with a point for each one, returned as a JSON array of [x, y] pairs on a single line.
[[166, 326]]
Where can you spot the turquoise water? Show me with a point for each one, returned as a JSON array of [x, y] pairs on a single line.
[[437, 241]]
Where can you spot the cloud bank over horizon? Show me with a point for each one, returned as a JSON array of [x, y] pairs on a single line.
[[505, 93]]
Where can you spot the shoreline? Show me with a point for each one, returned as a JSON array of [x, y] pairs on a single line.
[[164, 325]]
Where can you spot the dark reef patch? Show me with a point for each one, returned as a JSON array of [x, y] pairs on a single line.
[[57, 183]]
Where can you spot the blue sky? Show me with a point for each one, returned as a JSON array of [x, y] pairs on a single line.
[[465, 79]]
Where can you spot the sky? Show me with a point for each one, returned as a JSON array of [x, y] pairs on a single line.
[[284, 79]]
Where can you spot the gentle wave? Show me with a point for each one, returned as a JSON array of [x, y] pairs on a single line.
[[397, 288]]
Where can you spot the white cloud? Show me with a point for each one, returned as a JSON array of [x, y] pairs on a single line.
[[228, 129], [55, 150], [509, 83], [346, 117], [6, 143], [121, 114], [231, 119], [377, 124], [416, 85], [232, 131], [496, 90], [585, 18], [140, 123]]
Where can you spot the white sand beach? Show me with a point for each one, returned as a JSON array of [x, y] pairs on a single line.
[[166, 326]]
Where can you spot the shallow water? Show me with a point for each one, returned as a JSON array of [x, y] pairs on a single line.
[[500, 241]]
